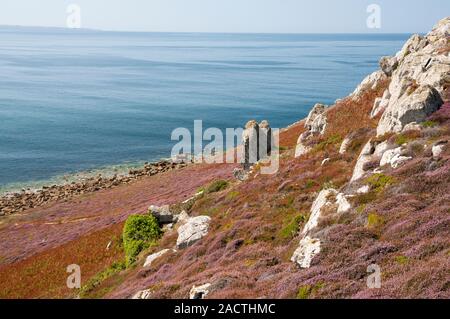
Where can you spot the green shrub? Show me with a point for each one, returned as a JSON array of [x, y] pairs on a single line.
[[293, 227], [401, 139], [139, 233], [335, 140], [402, 260], [310, 183], [95, 281], [216, 186], [374, 221], [378, 182], [306, 291], [428, 124]]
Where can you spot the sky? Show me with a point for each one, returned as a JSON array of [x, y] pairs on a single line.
[[243, 16]]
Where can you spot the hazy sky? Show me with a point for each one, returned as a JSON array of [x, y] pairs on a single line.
[[290, 16]]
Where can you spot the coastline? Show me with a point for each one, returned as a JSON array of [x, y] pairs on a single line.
[[16, 201]]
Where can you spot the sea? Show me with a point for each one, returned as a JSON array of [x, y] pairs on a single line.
[[75, 103]]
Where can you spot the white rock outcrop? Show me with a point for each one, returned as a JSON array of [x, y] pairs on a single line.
[[343, 204], [194, 229], [151, 258], [371, 82], [142, 294], [438, 148], [316, 209], [419, 72], [394, 158], [364, 157], [315, 123], [199, 292], [306, 251]]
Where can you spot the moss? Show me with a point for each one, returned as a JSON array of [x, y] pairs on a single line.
[[401, 139], [306, 291], [140, 231], [374, 221], [402, 260], [216, 186], [310, 183], [232, 195], [428, 124], [292, 227], [95, 281], [334, 140], [378, 182]]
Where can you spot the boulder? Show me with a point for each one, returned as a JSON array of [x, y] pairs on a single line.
[[415, 107], [394, 157], [306, 251], [192, 230], [199, 292], [380, 104], [151, 258], [364, 157], [315, 112], [388, 64], [343, 204], [438, 148], [321, 201], [162, 214], [371, 82], [142, 294]]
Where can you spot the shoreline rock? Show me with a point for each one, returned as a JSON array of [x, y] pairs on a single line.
[[18, 202]]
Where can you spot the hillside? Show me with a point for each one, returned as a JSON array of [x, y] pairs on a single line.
[[363, 182]]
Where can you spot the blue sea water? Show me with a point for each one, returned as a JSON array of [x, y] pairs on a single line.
[[76, 101]]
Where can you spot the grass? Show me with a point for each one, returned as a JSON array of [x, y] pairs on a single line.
[[292, 227], [402, 260], [428, 124], [335, 140], [306, 291], [379, 182], [216, 186], [140, 231], [374, 221], [95, 281]]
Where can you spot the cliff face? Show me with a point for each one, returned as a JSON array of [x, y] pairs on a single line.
[[363, 185]]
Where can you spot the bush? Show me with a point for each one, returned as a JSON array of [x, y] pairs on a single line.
[[139, 233], [216, 186], [306, 291], [374, 221], [293, 227], [378, 182]]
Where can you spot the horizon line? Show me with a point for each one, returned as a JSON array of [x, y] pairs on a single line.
[[203, 32]]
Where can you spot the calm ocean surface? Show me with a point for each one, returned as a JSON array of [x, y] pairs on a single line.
[[77, 101]]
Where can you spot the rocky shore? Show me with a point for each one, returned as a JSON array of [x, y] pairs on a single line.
[[26, 199]]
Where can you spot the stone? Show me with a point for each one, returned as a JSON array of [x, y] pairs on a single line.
[[343, 204], [380, 104], [257, 142], [364, 157], [394, 158], [415, 107], [388, 64], [194, 229], [326, 160], [199, 292], [301, 149], [316, 208], [371, 82], [306, 251], [315, 112], [438, 148], [142, 294], [363, 189], [162, 214], [151, 258], [345, 144]]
